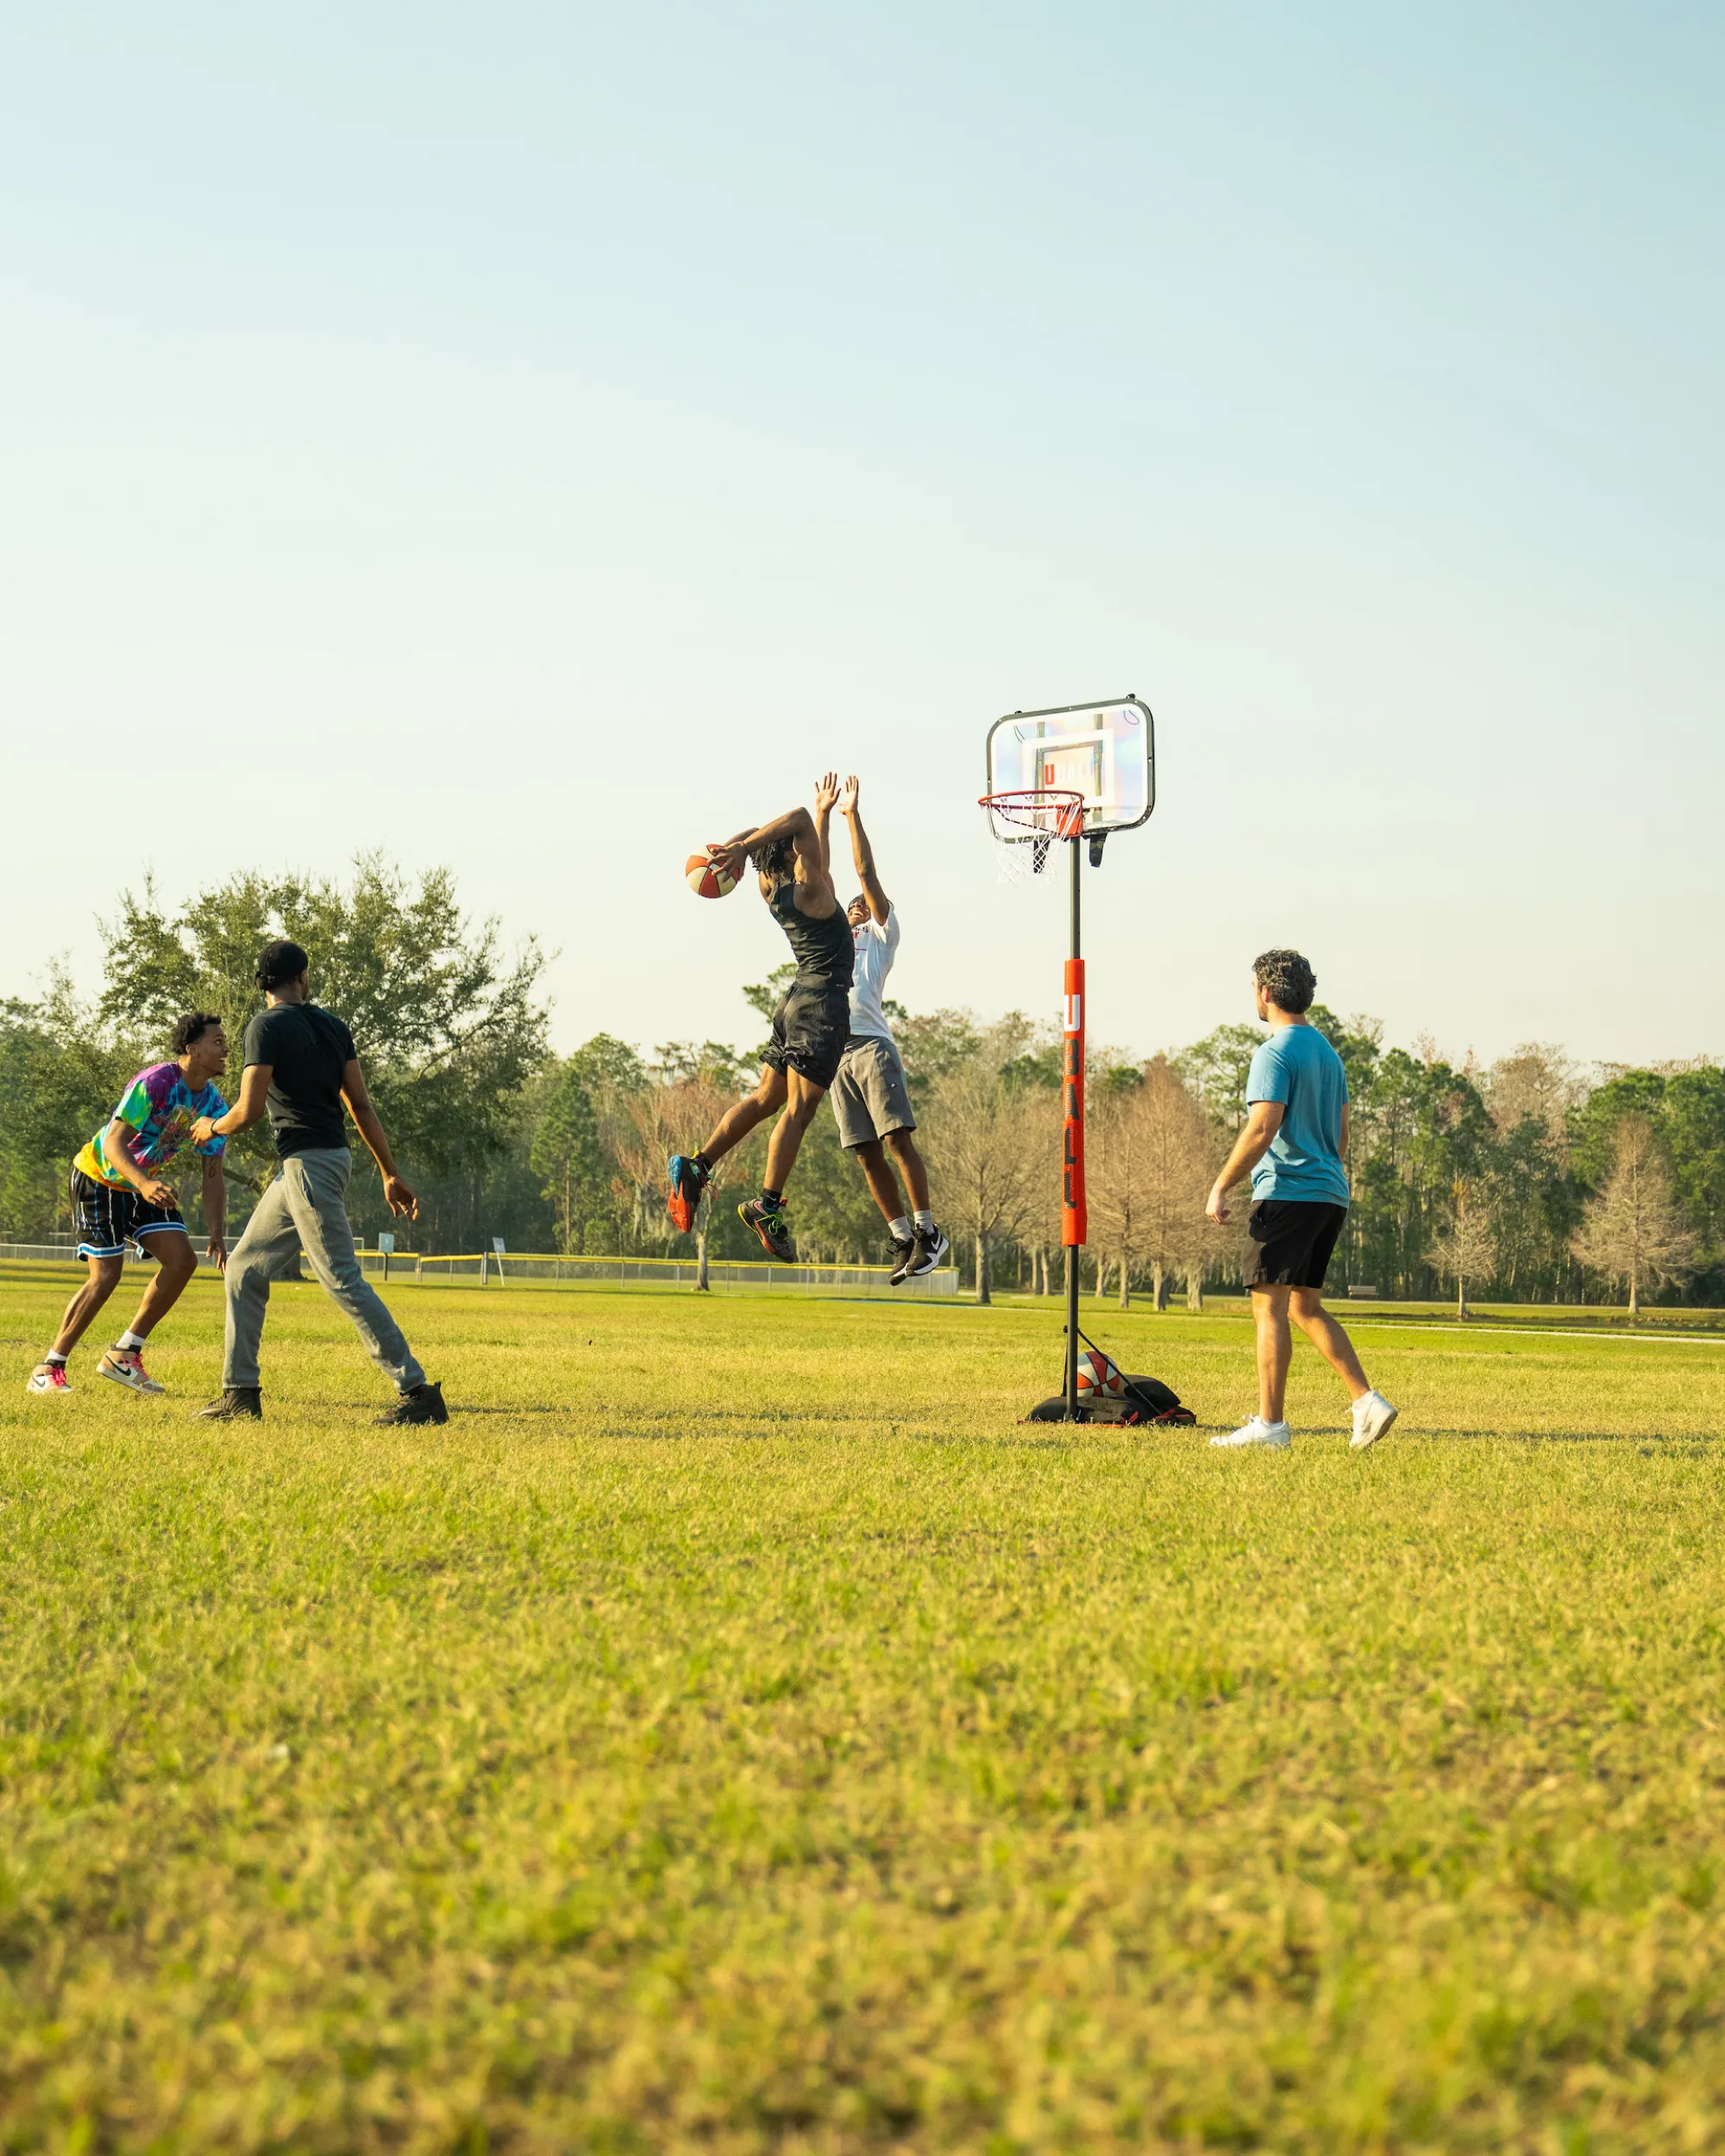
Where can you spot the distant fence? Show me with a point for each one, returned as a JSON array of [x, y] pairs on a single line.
[[483, 1268]]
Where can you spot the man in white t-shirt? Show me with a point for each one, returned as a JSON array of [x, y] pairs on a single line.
[[870, 1096]]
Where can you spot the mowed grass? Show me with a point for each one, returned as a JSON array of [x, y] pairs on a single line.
[[734, 1732]]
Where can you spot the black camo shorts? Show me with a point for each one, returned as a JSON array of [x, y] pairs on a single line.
[[810, 1029]]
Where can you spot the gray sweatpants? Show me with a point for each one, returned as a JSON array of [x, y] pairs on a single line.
[[305, 1209]]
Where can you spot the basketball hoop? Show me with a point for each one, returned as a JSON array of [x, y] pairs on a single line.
[[1025, 822], [1076, 771]]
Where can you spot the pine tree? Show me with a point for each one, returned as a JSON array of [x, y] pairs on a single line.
[[1634, 1233]]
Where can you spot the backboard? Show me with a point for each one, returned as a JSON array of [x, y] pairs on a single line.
[[1106, 752]]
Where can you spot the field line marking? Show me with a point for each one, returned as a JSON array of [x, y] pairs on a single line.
[[1541, 1332]]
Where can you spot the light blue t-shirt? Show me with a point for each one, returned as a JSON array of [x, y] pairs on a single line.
[[1297, 1066]]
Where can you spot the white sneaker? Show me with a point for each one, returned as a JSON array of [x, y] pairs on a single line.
[[1372, 1416], [48, 1377], [1259, 1431], [126, 1367]]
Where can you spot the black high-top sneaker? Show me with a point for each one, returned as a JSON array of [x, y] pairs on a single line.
[[424, 1404], [240, 1403]]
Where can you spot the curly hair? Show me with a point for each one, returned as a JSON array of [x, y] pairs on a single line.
[[190, 1030], [279, 963], [777, 859], [1287, 979]]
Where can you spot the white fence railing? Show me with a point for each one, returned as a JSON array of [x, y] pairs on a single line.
[[484, 1270], [487, 1270]]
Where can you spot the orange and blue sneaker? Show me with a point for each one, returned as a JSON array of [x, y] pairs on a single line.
[[689, 1180], [771, 1224]]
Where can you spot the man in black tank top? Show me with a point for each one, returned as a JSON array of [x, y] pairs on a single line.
[[809, 1027]]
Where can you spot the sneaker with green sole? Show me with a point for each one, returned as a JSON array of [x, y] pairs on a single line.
[[772, 1225]]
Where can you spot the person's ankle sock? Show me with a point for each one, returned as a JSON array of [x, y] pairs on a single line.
[[924, 1219], [900, 1230], [772, 1199], [701, 1161], [129, 1343], [53, 1355]]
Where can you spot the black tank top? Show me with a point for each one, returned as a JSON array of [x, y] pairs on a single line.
[[822, 949]]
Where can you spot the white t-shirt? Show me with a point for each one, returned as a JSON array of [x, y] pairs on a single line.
[[876, 948]]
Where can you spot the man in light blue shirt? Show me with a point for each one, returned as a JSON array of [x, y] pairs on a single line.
[[1295, 1143]]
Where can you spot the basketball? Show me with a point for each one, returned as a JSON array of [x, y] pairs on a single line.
[[708, 879], [1098, 1378]]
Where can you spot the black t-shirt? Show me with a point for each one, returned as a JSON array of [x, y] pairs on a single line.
[[307, 1050]]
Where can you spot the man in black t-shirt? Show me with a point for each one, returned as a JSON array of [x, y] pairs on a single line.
[[301, 1068]]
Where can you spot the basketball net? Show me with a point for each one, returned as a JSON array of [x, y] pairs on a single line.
[[1025, 822]]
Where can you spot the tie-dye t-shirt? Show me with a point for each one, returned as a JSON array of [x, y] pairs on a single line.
[[161, 1108]]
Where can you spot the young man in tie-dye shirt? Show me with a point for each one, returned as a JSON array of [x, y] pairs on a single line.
[[119, 1196]]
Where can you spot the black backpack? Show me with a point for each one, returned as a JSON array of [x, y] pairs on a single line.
[[1146, 1401]]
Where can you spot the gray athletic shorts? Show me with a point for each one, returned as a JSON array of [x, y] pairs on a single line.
[[869, 1095]]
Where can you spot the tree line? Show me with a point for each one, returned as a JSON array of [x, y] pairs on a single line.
[[1530, 1179]]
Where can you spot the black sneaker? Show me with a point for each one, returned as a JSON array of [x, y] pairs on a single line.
[[424, 1404], [688, 1179], [903, 1255], [240, 1403], [931, 1247], [771, 1224]]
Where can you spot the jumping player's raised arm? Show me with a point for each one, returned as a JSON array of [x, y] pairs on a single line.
[[814, 884], [825, 794], [862, 854]]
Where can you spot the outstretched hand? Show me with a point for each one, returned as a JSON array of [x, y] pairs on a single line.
[[731, 854], [825, 794], [847, 796]]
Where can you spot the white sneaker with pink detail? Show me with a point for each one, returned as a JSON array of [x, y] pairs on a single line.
[[125, 1366]]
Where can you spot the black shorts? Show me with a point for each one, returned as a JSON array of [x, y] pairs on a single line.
[[1290, 1241], [810, 1029], [108, 1218]]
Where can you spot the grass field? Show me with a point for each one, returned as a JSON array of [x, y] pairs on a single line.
[[734, 1732]]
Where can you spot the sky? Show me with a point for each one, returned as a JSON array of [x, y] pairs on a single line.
[[539, 439]]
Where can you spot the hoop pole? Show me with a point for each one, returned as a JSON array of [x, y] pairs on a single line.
[[1074, 1222]]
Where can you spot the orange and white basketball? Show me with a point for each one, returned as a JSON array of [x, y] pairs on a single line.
[[707, 877], [1098, 1378]]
